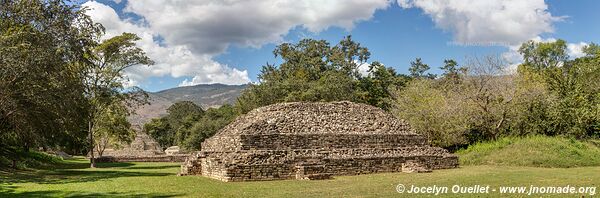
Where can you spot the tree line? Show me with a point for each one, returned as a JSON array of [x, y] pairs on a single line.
[[483, 99]]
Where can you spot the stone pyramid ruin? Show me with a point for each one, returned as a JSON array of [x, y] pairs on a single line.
[[142, 145], [314, 141]]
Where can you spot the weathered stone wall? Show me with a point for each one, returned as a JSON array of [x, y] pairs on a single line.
[[327, 141], [258, 165], [129, 152], [222, 143], [322, 168], [159, 158]]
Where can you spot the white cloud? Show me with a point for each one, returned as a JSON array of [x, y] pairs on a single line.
[[490, 22], [575, 50], [173, 60], [507, 23], [363, 68], [234, 77], [195, 31], [210, 26], [513, 58]]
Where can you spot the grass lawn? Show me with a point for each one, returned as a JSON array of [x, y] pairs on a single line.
[[159, 180]]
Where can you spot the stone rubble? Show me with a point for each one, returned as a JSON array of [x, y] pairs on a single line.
[[142, 145]]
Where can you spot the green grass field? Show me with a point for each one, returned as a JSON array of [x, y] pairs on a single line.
[[73, 178]]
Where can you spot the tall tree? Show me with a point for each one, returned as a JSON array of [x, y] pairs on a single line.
[[313, 70], [104, 77], [571, 86], [111, 128], [418, 68], [379, 83], [41, 100], [490, 91], [452, 72], [591, 50], [180, 110], [213, 120], [541, 55]]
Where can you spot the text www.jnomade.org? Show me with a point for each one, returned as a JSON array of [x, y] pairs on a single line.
[[486, 189]]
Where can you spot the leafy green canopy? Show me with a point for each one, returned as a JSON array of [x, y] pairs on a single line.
[[313, 70], [171, 129], [109, 102], [41, 100], [571, 105]]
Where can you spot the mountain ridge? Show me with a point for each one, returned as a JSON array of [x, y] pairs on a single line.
[[204, 95]]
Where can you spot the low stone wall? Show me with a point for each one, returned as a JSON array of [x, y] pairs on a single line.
[[156, 158], [258, 172], [358, 166], [130, 152], [323, 169]]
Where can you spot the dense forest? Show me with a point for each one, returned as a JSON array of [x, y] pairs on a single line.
[[61, 88]]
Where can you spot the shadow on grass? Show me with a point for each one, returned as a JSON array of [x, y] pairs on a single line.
[[76, 172], [56, 193], [83, 165], [114, 165], [72, 176], [153, 167]]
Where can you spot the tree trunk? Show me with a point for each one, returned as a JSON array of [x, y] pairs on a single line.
[[92, 160], [26, 147], [100, 149]]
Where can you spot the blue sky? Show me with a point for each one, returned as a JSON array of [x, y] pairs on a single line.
[[206, 42]]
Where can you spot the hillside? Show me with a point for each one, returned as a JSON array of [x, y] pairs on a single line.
[[533, 151], [205, 95]]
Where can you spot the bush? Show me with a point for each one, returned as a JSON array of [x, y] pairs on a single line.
[[442, 117]]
